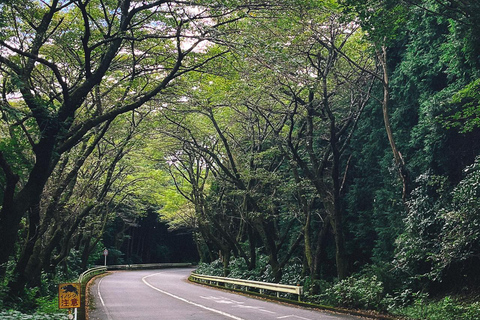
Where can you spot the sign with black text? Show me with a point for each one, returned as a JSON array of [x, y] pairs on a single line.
[[69, 295]]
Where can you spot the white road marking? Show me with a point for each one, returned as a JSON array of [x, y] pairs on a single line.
[[221, 300], [234, 303], [292, 316], [187, 301], [256, 308], [101, 300]]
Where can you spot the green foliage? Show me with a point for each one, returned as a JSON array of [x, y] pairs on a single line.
[[217, 150], [16, 315], [419, 241], [215, 268], [262, 272], [384, 20], [32, 305], [445, 309], [460, 234], [442, 227], [468, 100], [47, 305], [357, 291]]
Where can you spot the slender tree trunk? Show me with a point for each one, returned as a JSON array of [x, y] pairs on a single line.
[[337, 224], [399, 161]]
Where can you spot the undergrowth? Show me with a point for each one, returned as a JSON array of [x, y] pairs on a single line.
[[446, 309], [17, 315], [46, 309], [364, 290]]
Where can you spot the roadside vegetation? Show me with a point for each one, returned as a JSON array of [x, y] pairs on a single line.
[[332, 143], [363, 291]]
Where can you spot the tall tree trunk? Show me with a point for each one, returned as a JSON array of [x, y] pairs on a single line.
[[6, 213], [21, 277], [308, 251], [399, 161], [226, 262], [321, 236], [268, 241], [333, 206], [200, 243], [12, 213]]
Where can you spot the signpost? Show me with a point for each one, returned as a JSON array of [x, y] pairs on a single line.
[[69, 297], [105, 253]]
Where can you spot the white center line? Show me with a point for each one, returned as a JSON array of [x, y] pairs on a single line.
[[187, 301]]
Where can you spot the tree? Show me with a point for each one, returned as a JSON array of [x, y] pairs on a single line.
[[320, 95], [61, 59], [84, 190], [426, 87], [302, 110]]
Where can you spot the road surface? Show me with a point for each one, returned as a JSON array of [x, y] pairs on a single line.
[[166, 294]]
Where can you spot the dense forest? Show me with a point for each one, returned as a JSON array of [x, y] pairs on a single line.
[[324, 142]]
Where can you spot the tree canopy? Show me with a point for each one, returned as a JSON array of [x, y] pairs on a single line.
[[323, 137]]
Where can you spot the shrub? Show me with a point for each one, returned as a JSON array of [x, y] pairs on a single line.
[[47, 305], [292, 274], [446, 309], [211, 269], [16, 315], [364, 292]]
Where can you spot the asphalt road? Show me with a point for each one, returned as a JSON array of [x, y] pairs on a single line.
[[166, 294]]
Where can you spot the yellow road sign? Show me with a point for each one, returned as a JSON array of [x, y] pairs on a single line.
[[69, 295]]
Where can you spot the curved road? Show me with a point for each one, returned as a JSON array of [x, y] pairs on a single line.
[[166, 294]]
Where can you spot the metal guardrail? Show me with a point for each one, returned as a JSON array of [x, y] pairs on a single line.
[[97, 270], [148, 266], [88, 273], [276, 287]]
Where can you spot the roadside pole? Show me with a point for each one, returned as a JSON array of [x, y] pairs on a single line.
[[105, 253]]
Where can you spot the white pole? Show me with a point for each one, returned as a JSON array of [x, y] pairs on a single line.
[[105, 253]]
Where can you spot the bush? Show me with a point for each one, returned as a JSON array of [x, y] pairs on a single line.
[[446, 309], [47, 305], [16, 315], [363, 292], [210, 269], [292, 274], [239, 269]]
